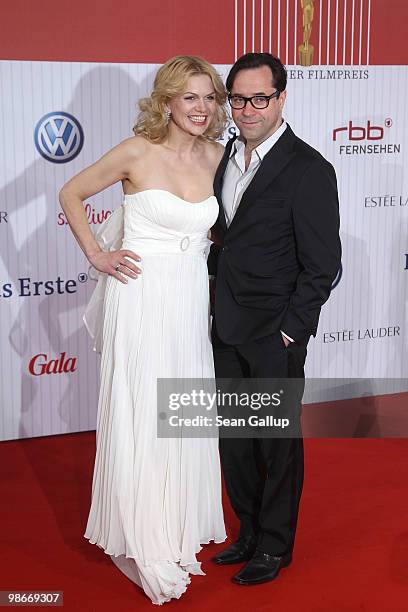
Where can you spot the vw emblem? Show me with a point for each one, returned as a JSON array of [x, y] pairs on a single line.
[[338, 277], [58, 137]]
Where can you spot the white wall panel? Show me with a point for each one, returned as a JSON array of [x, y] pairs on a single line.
[[36, 245]]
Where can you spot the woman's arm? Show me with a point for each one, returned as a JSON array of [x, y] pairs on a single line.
[[114, 166]]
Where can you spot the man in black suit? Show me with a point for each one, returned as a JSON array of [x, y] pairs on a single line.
[[278, 254]]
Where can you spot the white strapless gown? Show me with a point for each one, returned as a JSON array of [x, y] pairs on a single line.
[[154, 501]]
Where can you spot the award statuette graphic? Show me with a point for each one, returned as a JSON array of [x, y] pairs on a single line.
[[306, 49]]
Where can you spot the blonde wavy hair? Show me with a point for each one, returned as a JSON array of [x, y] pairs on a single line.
[[171, 80]]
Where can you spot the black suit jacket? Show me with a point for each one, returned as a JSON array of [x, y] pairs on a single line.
[[275, 263]]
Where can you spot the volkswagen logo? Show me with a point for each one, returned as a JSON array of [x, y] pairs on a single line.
[[58, 137], [338, 277]]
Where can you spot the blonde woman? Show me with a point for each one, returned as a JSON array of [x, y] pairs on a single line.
[[154, 500]]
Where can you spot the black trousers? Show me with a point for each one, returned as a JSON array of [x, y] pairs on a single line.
[[264, 477]]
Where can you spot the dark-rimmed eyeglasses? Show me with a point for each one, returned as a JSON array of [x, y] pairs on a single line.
[[240, 102]]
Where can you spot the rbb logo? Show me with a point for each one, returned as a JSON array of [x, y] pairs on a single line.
[[357, 132], [40, 365]]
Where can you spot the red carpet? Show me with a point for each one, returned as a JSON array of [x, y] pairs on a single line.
[[351, 552]]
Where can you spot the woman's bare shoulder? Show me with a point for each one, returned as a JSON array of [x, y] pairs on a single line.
[[215, 151], [135, 146]]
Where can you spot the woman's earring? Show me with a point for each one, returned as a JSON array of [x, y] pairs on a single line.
[[167, 114]]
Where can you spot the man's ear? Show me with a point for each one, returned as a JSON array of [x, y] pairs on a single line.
[[282, 98]]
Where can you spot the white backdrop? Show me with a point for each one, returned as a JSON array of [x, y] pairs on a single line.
[[49, 375]]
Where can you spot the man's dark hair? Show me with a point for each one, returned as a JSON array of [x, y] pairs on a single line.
[[256, 60]]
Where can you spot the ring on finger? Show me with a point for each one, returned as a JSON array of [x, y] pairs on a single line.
[[117, 267]]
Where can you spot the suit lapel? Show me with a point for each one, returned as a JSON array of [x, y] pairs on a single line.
[[271, 166], [219, 175]]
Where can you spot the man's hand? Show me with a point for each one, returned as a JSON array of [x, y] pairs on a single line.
[[116, 263], [285, 340]]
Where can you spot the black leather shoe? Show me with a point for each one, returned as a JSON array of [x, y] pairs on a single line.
[[240, 551], [261, 568]]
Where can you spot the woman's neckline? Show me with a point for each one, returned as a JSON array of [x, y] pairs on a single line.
[[131, 195]]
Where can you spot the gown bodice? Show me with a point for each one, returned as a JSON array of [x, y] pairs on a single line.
[[150, 223], [156, 221]]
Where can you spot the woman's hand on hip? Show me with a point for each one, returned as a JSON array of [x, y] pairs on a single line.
[[119, 264]]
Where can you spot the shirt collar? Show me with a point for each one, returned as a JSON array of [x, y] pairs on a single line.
[[265, 146]]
